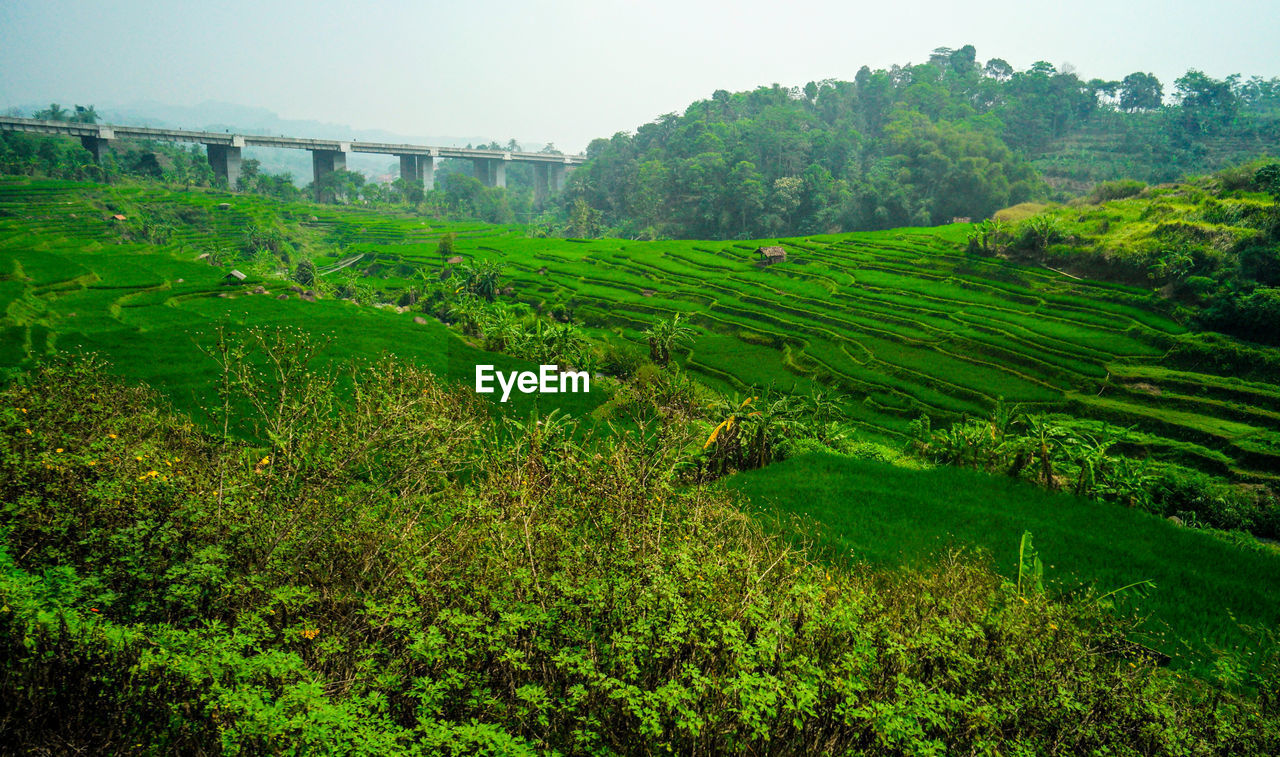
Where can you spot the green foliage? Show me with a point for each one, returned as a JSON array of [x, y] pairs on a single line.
[[1116, 190], [1030, 567], [445, 247], [1213, 592], [1267, 179], [305, 274], [536, 594], [1056, 453], [663, 336], [912, 145], [1211, 241]]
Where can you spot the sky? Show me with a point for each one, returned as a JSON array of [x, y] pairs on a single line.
[[567, 71]]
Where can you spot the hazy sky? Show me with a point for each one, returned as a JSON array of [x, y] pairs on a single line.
[[571, 70]]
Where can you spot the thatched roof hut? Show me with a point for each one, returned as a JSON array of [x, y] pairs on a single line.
[[455, 260], [234, 276], [772, 255]]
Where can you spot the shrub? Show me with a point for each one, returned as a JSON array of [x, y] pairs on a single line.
[[1116, 190], [389, 571]]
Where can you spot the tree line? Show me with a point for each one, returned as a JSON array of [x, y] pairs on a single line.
[[909, 145]]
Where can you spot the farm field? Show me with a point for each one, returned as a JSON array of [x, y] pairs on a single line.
[[153, 310], [1205, 590], [898, 323]]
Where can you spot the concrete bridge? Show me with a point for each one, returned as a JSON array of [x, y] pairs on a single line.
[[417, 162]]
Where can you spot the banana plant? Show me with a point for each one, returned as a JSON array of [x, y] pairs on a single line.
[[1090, 456], [663, 336], [1043, 441]]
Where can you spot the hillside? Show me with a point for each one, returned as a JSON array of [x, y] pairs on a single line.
[[899, 323], [913, 145], [381, 557], [1205, 593], [137, 292]]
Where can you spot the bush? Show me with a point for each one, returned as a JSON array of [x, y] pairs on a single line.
[[1116, 190], [1213, 502], [620, 361], [389, 571]]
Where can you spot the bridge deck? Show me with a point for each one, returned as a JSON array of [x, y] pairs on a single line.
[[113, 131]]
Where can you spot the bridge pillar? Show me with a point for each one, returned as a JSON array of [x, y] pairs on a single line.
[[427, 172], [409, 168], [481, 166], [97, 147], [323, 163], [557, 177], [226, 163], [540, 187], [499, 173]]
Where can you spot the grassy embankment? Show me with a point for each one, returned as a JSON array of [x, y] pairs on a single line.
[[1206, 588]]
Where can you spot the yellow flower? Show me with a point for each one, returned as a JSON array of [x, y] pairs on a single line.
[[138, 458], [111, 436], [58, 450], [264, 461]]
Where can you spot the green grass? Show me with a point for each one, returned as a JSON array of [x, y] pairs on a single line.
[[894, 516], [152, 311], [898, 322]]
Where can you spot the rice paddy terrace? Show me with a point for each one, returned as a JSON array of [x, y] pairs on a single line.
[[899, 323], [70, 281], [903, 323]]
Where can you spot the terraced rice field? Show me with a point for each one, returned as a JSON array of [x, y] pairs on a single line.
[[903, 323], [67, 282], [898, 323]]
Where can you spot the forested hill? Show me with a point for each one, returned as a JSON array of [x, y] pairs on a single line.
[[912, 145]]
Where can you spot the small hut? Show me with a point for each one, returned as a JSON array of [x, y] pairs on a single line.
[[771, 255], [455, 260], [234, 277]]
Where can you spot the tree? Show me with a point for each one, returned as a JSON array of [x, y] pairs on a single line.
[[54, 112], [482, 279], [1040, 443], [665, 335], [963, 61], [1207, 103], [1268, 179], [1139, 91], [444, 248], [998, 69], [1044, 229], [583, 220], [85, 115], [305, 274]]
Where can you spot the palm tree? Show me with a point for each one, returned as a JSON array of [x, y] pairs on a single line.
[[54, 112], [85, 115], [986, 236]]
